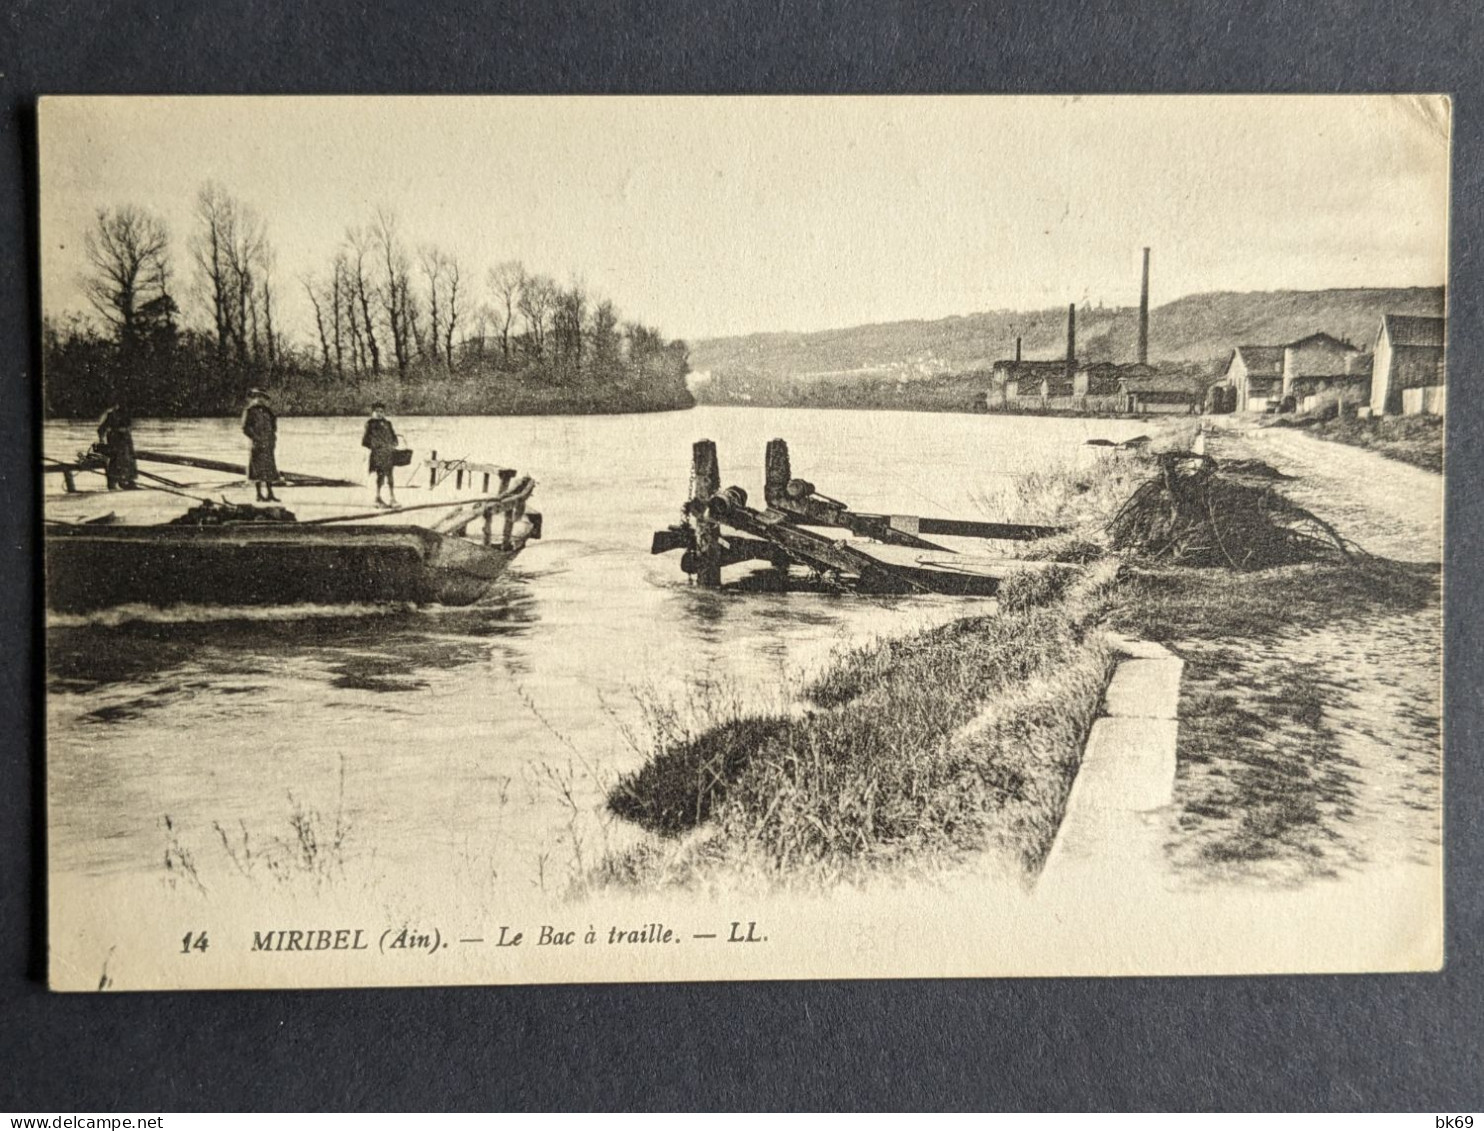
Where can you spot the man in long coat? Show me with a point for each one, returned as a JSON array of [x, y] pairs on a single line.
[[116, 442], [261, 428]]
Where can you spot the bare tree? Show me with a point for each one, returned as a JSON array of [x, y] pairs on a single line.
[[645, 345], [452, 308], [336, 299], [537, 300], [272, 347], [358, 243], [234, 262], [507, 283], [208, 248], [128, 249], [568, 320], [442, 274], [604, 337], [433, 263], [413, 327], [320, 324], [482, 318], [396, 286], [359, 358]]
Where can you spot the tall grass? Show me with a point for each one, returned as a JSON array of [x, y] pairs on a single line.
[[1075, 494], [312, 848], [895, 760]]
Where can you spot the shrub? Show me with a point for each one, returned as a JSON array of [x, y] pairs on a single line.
[[1026, 589]]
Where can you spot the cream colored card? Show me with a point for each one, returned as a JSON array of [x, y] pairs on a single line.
[[555, 539]]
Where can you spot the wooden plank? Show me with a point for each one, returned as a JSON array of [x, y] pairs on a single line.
[[962, 528], [672, 538], [298, 479], [810, 511], [798, 499], [813, 550], [736, 549]]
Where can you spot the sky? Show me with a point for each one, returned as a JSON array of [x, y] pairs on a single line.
[[708, 216]]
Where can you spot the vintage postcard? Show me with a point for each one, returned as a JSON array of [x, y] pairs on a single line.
[[551, 539]]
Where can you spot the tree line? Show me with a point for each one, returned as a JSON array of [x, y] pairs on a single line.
[[393, 320]]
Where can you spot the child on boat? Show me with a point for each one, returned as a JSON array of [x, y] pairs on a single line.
[[381, 438]]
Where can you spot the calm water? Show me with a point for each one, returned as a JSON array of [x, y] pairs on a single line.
[[483, 738]]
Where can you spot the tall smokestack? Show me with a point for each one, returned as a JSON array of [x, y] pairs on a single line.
[[1071, 339], [1144, 314], [1017, 351]]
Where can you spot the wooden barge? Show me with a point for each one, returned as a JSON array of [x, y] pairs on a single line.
[[237, 554]]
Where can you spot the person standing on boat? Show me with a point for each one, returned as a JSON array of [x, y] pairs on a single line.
[[381, 438], [261, 427], [116, 445]]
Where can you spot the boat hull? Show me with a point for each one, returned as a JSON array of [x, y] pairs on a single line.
[[99, 566]]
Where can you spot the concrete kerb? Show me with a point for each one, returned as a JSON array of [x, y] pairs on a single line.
[[1113, 820]]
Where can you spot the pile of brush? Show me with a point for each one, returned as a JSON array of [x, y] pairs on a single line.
[[1199, 512]]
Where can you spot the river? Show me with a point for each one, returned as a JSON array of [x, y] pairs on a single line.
[[403, 745]]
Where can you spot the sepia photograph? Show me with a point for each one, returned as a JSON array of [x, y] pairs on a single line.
[[565, 539]]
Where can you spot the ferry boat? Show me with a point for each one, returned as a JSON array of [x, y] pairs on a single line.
[[255, 554]]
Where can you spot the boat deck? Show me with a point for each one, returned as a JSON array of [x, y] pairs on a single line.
[[106, 548], [147, 506]]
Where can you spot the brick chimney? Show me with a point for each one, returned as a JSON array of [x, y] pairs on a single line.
[[1017, 351], [1144, 314], [1071, 340]]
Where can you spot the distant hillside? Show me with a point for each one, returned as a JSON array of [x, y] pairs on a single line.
[[1209, 325], [1200, 328]]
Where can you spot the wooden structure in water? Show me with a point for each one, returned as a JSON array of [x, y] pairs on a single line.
[[885, 553], [440, 469]]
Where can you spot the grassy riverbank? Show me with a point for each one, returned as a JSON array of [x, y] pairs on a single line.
[[911, 749], [957, 746]]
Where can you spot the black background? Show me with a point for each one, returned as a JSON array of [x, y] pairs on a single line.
[[1389, 1042]]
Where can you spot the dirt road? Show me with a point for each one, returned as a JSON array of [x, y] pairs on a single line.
[[1312, 748], [1389, 508]]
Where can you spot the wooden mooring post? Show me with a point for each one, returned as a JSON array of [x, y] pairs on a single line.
[[705, 481]]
